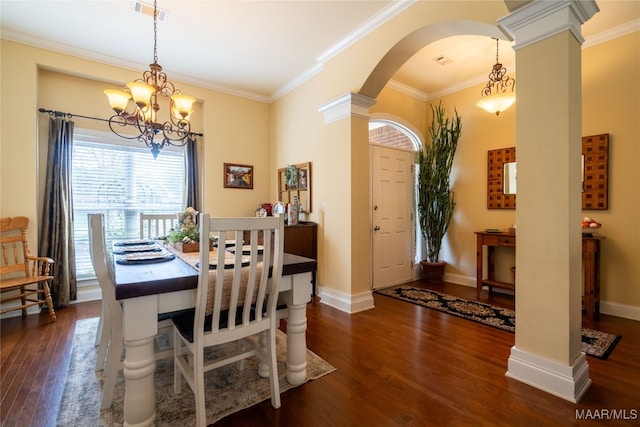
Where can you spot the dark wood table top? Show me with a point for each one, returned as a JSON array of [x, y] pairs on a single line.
[[176, 275]]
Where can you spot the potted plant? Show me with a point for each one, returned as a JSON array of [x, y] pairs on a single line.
[[435, 197], [291, 176], [186, 236]]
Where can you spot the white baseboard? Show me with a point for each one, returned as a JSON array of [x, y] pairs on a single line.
[[459, 279], [88, 293], [345, 302], [620, 310], [611, 308], [567, 382], [85, 293]]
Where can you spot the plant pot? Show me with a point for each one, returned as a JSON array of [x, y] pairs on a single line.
[[433, 271], [190, 247], [187, 247]]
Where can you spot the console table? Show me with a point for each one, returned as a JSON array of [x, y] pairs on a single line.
[[590, 262]]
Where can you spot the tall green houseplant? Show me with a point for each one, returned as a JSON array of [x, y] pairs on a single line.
[[435, 197]]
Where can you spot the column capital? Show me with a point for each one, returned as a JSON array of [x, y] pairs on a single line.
[[539, 20], [347, 105]]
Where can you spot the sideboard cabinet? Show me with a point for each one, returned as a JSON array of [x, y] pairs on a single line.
[[302, 239]]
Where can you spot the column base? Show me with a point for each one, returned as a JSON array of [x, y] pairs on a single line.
[[567, 382]]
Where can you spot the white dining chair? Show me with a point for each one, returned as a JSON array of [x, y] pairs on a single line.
[[236, 301], [110, 338], [156, 225]]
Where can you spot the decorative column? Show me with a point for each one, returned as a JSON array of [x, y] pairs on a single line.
[[345, 265], [546, 354]]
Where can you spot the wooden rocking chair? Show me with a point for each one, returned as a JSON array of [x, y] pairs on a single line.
[[22, 276]]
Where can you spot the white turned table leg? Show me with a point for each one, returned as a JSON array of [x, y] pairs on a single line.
[[140, 328], [139, 365], [297, 293], [297, 344]]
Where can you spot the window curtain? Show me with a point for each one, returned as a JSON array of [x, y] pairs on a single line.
[[56, 234], [192, 189]]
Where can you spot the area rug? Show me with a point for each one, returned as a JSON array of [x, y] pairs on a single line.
[[227, 389], [594, 343]]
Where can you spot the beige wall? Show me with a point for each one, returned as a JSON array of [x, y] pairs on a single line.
[[33, 78], [298, 131], [291, 130], [610, 105]]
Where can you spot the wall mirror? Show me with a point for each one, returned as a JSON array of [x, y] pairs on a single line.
[[509, 178], [501, 163], [595, 171], [502, 183], [299, 186]]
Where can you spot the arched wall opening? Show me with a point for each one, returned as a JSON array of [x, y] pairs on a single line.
[[402, 51], [414, 42]]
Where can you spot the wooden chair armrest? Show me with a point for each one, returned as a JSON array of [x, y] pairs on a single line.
[[41, 265], [40, 258]]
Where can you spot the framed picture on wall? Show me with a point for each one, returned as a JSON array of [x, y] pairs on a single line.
[[238, 176]]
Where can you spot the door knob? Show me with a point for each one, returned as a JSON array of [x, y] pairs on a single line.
[[376, 228]]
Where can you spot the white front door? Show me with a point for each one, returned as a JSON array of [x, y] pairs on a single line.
[[392, 198]]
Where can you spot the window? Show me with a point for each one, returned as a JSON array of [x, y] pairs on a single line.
[[121, 179], [393, 135]]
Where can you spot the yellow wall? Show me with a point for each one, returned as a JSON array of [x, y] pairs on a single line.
[[299, 134], [235, 129], [291, 130], [610, 104]]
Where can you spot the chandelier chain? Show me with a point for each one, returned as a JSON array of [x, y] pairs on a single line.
[[155, 31]]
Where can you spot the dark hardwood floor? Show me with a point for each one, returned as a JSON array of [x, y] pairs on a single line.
[[397, 365]]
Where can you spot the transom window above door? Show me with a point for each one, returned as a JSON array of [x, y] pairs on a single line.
[[393, 135]]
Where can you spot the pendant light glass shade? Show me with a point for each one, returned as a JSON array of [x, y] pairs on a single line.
[[118, 99], [496, 103]]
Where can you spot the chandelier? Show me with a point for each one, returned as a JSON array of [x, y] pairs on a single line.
[[137, 106], [495, 95]]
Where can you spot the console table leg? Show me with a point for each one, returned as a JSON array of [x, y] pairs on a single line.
[[479, 263]]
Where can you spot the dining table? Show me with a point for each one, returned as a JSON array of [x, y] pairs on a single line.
[[147, 290]]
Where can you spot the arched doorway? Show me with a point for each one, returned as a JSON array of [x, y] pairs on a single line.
[[384, 71], [393, 151]]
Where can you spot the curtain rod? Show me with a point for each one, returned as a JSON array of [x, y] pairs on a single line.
[[53, 113]]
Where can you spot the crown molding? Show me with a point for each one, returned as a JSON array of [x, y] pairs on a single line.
[[370, 25], [613, 33], [90, 55], [594, 40], [408, 90]]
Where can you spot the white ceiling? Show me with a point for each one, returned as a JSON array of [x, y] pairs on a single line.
[[260, 49]]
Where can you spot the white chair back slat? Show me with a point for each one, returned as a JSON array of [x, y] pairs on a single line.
[[156, 225], [253, 277]]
